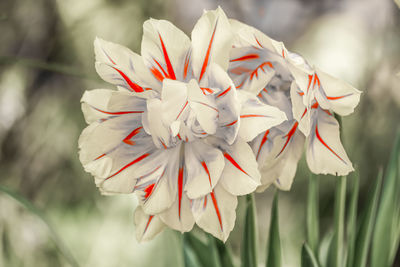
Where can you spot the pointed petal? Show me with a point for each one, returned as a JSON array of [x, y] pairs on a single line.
[[325, 153], [118, 65], [204, 165], [211, 42], [179, 215], [337, 95], [164, 49], [147, 226], [256, 117], [216, 212], [301, 113]]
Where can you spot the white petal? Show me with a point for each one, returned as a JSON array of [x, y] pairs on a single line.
[[156, 189], [179, 215], [147, 226], [165, 49], [240, 175], [337, 95], [251, 68], [301, 113], [204, 165], [174, 101], [227, 102], [256, 117], [204, 107], [278, 152], [325, 153], [216, 212], [211, 42], [118, 65]]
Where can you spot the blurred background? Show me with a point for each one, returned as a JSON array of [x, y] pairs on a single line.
[[47, 61]]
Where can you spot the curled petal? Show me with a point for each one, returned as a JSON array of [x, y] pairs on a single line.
[[240, 175], [215, 213], [336, 95], [147, 226], [325, 153], [256, 117]]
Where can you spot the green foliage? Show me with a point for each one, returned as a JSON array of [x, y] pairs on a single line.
[[274, 242], [249, 244], [312, 213], [308, 258]]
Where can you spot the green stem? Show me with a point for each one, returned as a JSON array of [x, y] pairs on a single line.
[[312, 213]]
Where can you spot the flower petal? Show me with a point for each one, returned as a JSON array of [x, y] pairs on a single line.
[[204, 107], [227, 102], [325, 153], [204, 165], [211, 42], [147, 226], [256, 117], [118, 65], [240, 175], [216, 212], [174, 101], [337, 95], [179, 215], [160, 51], [301, 113]]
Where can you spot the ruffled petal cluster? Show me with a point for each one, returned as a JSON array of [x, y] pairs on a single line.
[[175, 131], [309, 98]]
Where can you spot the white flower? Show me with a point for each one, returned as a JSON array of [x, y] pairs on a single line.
[[279, 78], [176, 131]]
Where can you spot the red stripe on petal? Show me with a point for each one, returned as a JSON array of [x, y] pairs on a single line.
[[205, 63], [185, 68], [309, 82], [224, 92], [234, 163], [230, 124], [246, 57], [214, 200], [157, 74], [263, 141], [180, 191], [117, 112], [289, 137], [132, 134], [205, 202], [252, 116], [206, 169], [162, 69], [148, 190], [337, 97], [180, 113], [130, 164], [206, 90], [255, 72], [326, 145], [167, 61], [99, 157], [148, 223], [316, 80], [258, 42], [136, 88]]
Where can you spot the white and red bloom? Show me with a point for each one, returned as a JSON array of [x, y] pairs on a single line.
[[176, 130], [309, 98]]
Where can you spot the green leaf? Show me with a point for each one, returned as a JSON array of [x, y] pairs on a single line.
[[274, 242], [352, 220], [308, 258], [384, 236], [225, 253], [203, 247], [367, 223], [312, 213], [249, 245], [189, 255], [324, 248], [55, 236], [336, 249]]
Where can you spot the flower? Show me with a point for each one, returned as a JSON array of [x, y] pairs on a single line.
[[176, 130], [308, 97]]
